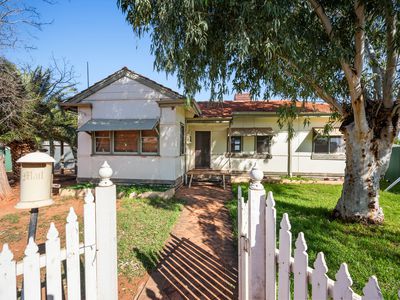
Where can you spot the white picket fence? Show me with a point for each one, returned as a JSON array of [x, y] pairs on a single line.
[[260, 260], [99, 250]]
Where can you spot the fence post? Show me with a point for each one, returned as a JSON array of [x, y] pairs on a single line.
[[106, 236], [256, 223]]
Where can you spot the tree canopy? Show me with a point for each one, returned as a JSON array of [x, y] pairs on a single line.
[[296, 49], [342, 52]]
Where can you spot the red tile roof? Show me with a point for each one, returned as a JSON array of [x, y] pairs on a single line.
[[227, 108]]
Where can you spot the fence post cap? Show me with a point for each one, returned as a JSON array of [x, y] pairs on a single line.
[[256, 175], [105, 173]]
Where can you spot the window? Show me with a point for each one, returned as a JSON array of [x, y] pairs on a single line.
[[150, 141], [263, 144], [329, 144], [102, 141], [126, 141], [236, 144], [182, 140]]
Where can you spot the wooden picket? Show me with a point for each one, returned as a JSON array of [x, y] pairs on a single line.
[[53, 266], [300, 269], [73, 265], [8, 279], [285, 250], [54, 256], [322, 287], [319, 278], [89, 211], [270, 246], [31, 289]]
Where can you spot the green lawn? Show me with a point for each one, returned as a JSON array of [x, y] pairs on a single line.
[[367, 249], [143, 227]]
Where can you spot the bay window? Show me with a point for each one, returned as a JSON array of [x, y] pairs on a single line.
[[126, 142]]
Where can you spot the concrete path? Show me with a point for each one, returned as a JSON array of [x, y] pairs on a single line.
[[199, 261]]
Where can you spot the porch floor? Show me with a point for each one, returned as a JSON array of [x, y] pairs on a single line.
[[199, 261], [197, 173]]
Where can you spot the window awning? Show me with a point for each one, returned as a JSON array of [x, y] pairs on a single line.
[[319, 131], [251, 131], [118, 124]]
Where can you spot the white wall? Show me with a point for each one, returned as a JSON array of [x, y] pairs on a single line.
[[302, 163], [129, 99]]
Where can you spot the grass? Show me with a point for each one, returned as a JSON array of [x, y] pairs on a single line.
[[367, 249], [143, 227], [10, 218], [140, 188]]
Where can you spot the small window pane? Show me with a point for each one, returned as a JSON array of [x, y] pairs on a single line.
[[149, 141], [321, 145], [236, 144], [263, 144], [336, 144], [102, 142], [126, 141]]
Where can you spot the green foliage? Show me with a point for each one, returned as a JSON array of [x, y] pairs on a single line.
[[275, 47], [141, 188], [143, 227], [10, 218], [367, 249], [36, 114]]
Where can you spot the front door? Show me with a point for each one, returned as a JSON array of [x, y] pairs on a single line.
[[202, 150]]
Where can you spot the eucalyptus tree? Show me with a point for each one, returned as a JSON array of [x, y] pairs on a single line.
[[343, 52]]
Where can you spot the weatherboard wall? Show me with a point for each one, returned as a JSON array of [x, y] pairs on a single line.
[[302, 160], [129, 99]]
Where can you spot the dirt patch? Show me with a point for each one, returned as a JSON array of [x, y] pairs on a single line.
[[14, 228]]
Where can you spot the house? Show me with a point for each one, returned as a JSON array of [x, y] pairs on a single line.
[[149, 133]]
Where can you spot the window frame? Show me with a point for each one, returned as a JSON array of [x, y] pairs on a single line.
[[328, 137], [138, 153], [256, 144], [141, 152], [94, 139], [231, 144], [124, 152]]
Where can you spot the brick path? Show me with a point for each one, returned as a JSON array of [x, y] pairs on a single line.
[[199, 260]]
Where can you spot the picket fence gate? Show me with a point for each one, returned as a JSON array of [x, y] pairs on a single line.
[[99, 250], [260, 261]]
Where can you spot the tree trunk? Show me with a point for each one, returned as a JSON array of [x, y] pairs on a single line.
[[367, 159], [5, 188], [19, 149]]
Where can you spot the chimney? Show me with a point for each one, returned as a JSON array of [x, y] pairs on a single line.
[[245, 97]]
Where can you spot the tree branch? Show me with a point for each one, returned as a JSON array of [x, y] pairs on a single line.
[[359, 38], [391, 56], [326, 23], [376, 69], [306, 79]]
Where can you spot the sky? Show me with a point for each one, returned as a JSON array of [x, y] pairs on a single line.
[[90, 31]]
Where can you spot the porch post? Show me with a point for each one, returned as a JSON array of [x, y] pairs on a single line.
[[106, 236], [256, 204]]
